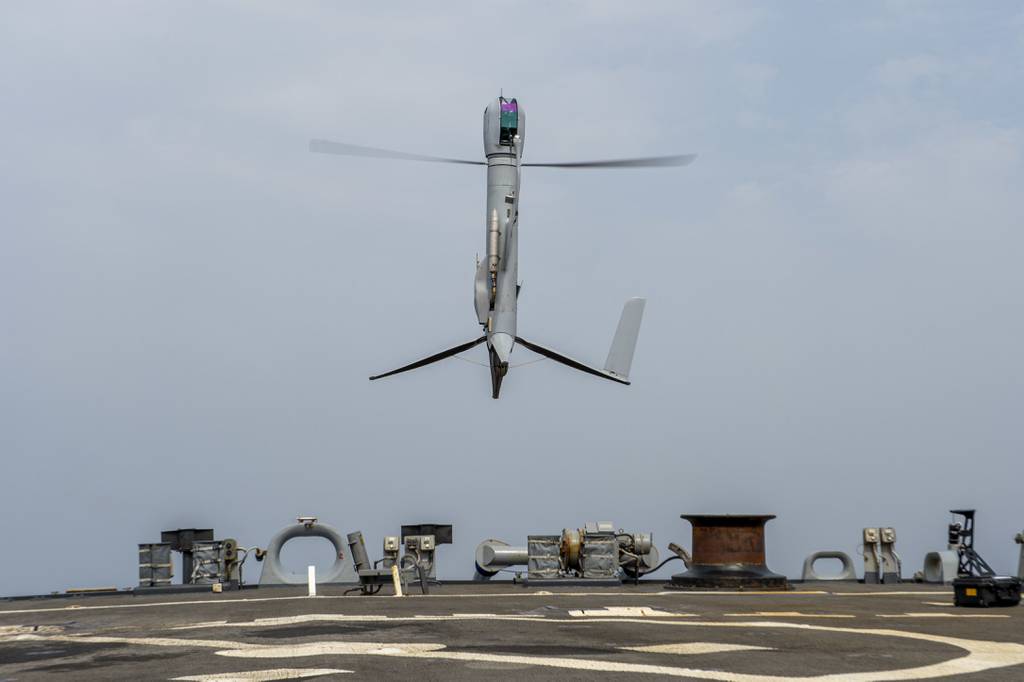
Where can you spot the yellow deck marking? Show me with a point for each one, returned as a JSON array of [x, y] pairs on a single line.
[[934, 614], [263, 675], [787, 614], [222, 602], [689, 648], [904, 593]]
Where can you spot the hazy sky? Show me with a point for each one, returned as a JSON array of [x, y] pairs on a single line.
[[191, 302]]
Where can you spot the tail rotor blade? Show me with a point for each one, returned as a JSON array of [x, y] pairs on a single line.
[[643, 162], [343, 149]]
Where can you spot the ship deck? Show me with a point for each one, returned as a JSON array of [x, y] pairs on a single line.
[[845, 631]]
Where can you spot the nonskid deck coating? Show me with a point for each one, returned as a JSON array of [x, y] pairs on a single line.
[[846, 631]]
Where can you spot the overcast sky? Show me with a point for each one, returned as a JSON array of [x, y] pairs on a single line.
[[190, 301]]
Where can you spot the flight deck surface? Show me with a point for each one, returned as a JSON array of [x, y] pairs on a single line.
[[502, 631]]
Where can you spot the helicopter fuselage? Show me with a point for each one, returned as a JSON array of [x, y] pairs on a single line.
[[496, 285]]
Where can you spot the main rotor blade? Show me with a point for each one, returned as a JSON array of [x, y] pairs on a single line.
[[342, 149], [433, 358], [565, 360], [643, 162]]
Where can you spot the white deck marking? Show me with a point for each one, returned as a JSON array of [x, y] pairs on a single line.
[[627, 612], [495, 595], [8, 630], [335, 648], [938, 614], [485, 595], [981, 655], [222, 601], [689, 648], [263, 675], [787, 614], [242, 649], [895, 593], [343, 618]]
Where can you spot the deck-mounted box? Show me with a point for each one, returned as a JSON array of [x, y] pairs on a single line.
[[181, 540], [155, 567], [543, 556]]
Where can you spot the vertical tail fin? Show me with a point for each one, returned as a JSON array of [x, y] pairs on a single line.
[[620, 355]]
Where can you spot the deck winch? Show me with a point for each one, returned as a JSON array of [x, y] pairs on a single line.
[[596, 552]]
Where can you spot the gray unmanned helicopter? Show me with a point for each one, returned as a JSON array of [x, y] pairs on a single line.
[[496, 286]]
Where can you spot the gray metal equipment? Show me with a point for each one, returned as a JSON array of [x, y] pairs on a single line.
[[941, 567], [881, 562], [417, 564], [420, 541], [371, 577], [274, 572], [872, 563], [1019, 539], [595, 552], [976, 583], [847, 573], [544, 556], [155, 566], [215, 562], [496, 285], [495, 555], [892, 565], [182, 540], [204, 561], [391, 546]]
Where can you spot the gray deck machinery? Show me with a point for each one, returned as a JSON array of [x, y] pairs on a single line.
[[976, 583], [416, 564], [595, 553], [204, 560]]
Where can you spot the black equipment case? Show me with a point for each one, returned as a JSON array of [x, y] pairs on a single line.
[[988, 590]]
